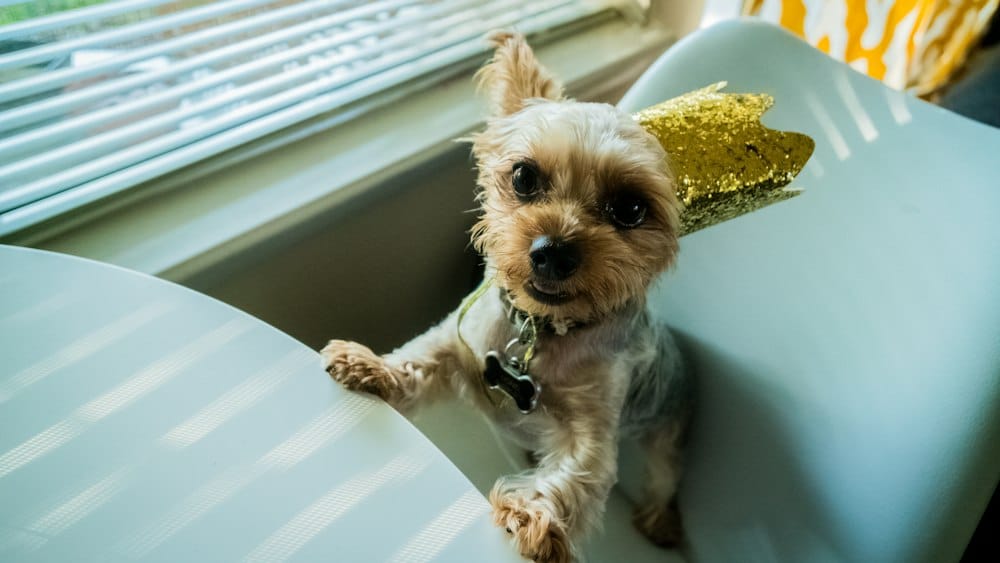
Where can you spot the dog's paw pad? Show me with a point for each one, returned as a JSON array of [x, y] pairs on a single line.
[[537, 533], [356, 367]]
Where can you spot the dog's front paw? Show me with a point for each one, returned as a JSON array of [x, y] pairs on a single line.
[[358, 368], [537, 531], [661, 524]]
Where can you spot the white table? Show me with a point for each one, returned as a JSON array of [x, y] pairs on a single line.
[[143, 421]]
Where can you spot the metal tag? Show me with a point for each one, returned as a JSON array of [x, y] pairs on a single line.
[[507, 377]]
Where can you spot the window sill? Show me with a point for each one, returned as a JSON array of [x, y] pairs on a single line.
[[180, 225]]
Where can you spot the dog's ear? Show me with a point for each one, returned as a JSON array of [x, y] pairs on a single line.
[[514, 75]]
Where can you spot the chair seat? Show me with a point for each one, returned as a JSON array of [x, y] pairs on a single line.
[[847, 341]]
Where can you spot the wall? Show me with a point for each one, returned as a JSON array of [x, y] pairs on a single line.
[[378, 269]]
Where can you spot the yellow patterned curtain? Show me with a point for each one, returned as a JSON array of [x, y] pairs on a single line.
[[908, 44]]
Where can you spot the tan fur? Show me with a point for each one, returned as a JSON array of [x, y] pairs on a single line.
[[514, 76], [586, 153], [657, 515]]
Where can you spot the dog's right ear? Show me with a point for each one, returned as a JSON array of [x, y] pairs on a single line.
[[514, 75]]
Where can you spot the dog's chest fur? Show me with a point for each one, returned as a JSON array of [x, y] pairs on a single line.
[[623, 366]]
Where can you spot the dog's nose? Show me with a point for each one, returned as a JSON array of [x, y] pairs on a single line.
[[553, 259]]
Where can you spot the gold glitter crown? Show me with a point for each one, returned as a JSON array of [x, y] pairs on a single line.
[[725, 161]]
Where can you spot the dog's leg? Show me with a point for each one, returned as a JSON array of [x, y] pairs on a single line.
[[419, 370], [657, 516], [563, 498]]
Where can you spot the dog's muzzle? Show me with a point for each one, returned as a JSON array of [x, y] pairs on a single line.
[[554, 259]]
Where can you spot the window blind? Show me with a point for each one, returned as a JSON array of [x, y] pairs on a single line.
[[96, 99]]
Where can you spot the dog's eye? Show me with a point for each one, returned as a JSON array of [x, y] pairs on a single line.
[[525, 180], [627, 211]]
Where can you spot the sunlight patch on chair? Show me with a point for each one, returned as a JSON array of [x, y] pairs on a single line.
[[237, 400], [833, 135], [429, 542], [850, 98], [80, 349], [307, 524], [897, 106], [815, 167]]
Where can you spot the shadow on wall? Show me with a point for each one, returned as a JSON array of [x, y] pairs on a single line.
[[378, 269]]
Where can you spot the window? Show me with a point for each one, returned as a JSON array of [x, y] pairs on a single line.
[[96, 97]]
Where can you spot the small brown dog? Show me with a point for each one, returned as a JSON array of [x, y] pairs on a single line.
[[579, 216]]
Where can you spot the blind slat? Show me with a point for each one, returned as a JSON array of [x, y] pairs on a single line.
[[70, 101], [36, 139], [54, 79], [78, 16], [44, 53], [79, 151], [121, 140]]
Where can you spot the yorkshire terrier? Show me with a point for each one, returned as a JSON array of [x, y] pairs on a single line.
[[579, 216]]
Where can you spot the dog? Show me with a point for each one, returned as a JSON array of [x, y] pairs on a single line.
[[578, 218]]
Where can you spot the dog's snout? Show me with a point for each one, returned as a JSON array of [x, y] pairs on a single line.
[[553, 259]]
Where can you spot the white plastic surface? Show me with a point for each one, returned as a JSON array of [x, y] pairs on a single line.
[[141, 421], [847, 342]]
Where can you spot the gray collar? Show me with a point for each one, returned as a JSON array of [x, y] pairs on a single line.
[[520, 319]]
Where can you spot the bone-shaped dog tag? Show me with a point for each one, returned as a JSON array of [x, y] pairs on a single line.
[[501, 374]]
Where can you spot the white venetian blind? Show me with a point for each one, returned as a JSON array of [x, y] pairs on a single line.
[[98, 98]]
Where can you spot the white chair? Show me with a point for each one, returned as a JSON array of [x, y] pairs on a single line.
[[847, 342]]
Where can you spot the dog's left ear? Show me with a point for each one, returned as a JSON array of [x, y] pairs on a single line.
[[514, 75]]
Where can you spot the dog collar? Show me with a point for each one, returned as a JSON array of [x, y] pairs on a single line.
[[507, 371], [517, 317]]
